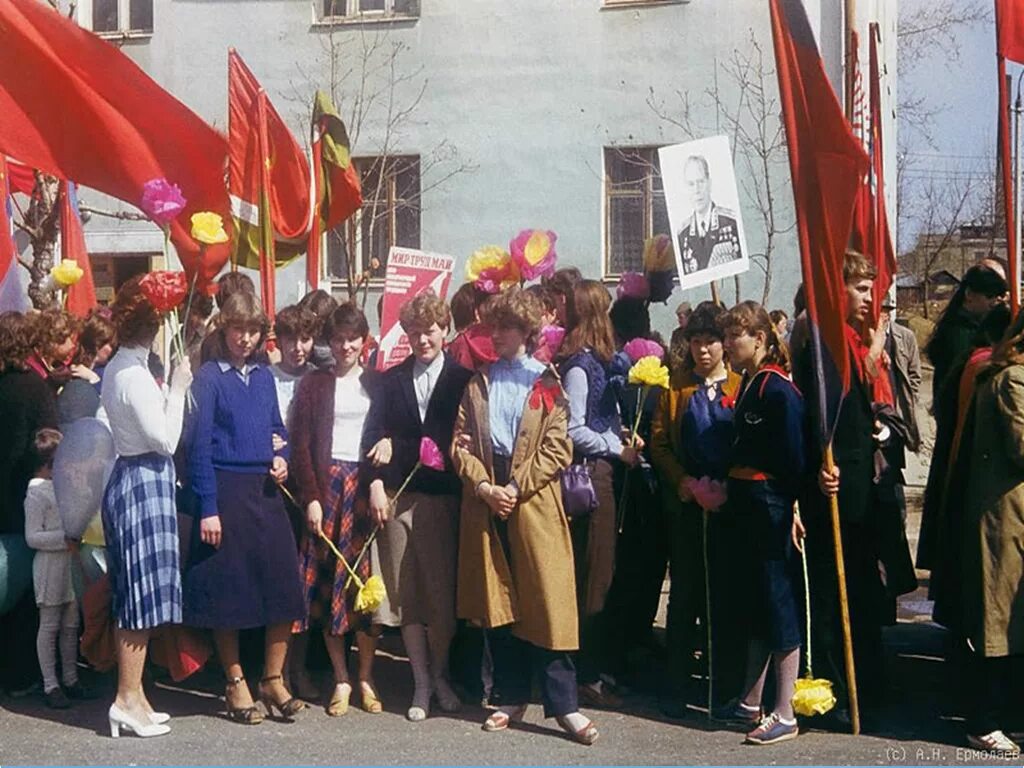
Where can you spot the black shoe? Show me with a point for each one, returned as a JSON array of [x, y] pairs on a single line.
[[55, 699], [672, 707], [81, 692]]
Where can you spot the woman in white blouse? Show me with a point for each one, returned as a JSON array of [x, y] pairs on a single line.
[[139, 512], [329, 412]]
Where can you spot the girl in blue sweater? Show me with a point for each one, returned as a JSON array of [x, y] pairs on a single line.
[[244, 571], [767, 466]]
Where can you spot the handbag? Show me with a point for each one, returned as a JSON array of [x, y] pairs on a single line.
[[578, 496]]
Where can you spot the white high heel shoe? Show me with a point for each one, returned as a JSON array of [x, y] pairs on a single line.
[[120, 719], [159, 717]]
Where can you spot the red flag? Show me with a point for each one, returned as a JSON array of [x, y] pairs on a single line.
[[21, 178], [1009, 45], [861, 237], [82, 295], [883, 252], [827, 164], [74, 106], [287, 179]]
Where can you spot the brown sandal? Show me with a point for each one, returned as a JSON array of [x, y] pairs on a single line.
[[244, 715], [287, 709]]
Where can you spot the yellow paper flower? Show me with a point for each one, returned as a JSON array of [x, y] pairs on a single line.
[[370, 595], [67, 273], [658, 254], [208, 228], [492, 269], [813, 697], [649, 372]]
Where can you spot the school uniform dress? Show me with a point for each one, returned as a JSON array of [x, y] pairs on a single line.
[[328, 421], [252, 579], [418, 544], [140, 523], [767, 472]]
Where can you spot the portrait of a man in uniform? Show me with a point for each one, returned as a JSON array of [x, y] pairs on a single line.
[[710, 237]]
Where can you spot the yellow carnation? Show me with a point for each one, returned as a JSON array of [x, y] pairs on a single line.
[[649, 372], [208, 228], [813, 697], [370, 595], [67, 273], [488, 257]]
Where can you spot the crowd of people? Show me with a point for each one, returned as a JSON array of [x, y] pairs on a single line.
[[269, 490]]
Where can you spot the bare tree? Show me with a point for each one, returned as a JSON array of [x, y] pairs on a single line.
[[377, 92], [749, 110]]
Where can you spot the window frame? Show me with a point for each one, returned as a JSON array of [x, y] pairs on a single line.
[[354, 242], [354, 15], [84, 15], [649, 195]]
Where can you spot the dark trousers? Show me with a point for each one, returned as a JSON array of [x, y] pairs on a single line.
[[515, 663], [992, 693], [686, 597]]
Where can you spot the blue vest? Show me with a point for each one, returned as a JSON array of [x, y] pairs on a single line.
[[602, 406]]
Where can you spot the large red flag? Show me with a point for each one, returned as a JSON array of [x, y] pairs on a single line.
[[1009, 45], [827, 164], [74, 106], [81, 295], [884, 253], [288, 193]]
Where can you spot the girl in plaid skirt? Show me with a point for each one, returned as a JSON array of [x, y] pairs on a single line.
[[139, 514], [330, 410]]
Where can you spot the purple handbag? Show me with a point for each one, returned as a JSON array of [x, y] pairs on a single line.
[[578, 496]]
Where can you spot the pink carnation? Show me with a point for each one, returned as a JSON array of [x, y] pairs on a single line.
[[633, 285], [162, 201], [709, 494], [430, 455], [640, 347]]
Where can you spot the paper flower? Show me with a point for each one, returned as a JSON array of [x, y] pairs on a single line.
[[370, 595], [728, 401], [533, 251], [633, 285], [491, 269], [639, 348], [544, 394], [208, 228], [709, 494], [164, 290], [430, 454], [658, 255], [649, 372], [67, 273], [813, 696], [553, 336], [162, 201]]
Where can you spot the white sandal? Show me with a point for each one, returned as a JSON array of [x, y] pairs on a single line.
[[502, 719]]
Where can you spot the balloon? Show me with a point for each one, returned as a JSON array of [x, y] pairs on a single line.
[[81, 467], [15, 570]]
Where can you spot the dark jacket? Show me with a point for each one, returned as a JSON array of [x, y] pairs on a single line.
[[312, 434], [394, 413], [27, 404]]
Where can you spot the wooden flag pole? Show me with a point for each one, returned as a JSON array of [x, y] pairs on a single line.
[[714, 293], [844, 604]]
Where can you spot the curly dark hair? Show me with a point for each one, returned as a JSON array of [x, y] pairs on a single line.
[[516, 308], [97, 331], [15, 340], [136, 322], [51, 328], [296, 322]]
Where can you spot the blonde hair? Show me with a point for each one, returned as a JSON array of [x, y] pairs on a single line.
[[422, 311]]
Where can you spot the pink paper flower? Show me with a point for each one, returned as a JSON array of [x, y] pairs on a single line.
[[430, 455], [640, 347], [709, 494], [633, 285], [553, 336], [162, 201], [533, 251]]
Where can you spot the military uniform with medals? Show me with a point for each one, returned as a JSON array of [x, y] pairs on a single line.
[[719, 245]]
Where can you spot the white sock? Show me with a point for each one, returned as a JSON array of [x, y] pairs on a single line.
[[576, 721]]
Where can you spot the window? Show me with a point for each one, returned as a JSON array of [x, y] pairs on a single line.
[[634, 206], [122, 17], [390, 216], [368, 10]]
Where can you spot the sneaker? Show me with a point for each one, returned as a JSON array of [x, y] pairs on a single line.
[[772, 730], [736, 712], [996, 742], [55, 699]]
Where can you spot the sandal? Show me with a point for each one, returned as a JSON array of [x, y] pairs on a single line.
[[996, 742], [501, 720], [338, 705], [287, 709], [370, 701], [250, 715], [586, 735]]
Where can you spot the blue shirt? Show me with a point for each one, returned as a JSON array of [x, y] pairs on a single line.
[[236, 417], [707, 431], [510, 383]]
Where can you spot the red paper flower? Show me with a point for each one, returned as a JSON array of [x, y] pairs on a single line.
[[544, 394], [430, 455], [164, 290], [728, 401]]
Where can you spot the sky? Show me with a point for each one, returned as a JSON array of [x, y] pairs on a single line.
[[964, 131]]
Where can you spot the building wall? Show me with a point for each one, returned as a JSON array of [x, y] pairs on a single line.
[[526, 93]]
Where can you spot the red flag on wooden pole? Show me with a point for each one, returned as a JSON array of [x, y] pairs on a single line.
[[1009, 45]]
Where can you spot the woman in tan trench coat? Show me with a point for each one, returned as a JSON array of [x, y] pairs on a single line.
[[515, 576], [994, 541]]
